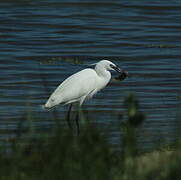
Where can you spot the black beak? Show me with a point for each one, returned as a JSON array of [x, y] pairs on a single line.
[[116, 68], [119, 70], [123, 74]]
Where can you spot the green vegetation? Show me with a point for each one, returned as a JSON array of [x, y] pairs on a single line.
[[63, 155], [162, 46], [69, 60]]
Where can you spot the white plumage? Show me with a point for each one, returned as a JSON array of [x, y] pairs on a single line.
[[82, 85]]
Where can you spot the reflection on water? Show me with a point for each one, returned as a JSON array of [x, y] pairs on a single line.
[[44, 42]]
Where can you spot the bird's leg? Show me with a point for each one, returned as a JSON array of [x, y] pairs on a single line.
[[68, 116], [77, 123]]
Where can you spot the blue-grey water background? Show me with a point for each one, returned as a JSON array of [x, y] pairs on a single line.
[[42, 41]]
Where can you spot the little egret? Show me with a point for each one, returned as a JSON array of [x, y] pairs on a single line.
[[82, 85]]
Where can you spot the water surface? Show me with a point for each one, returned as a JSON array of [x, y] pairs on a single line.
[[41, 40]]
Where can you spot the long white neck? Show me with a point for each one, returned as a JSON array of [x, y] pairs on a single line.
[[103, 73]]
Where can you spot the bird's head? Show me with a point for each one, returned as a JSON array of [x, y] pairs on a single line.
[[109, 66]]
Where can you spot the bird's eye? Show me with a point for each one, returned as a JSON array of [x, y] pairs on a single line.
[[112, 66]]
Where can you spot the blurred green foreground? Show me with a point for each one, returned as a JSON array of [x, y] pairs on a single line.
[[89, 156]]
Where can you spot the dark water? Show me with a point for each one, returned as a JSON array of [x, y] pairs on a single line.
[[41, 40]]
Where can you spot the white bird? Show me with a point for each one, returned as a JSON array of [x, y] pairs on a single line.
[[83, 84]]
